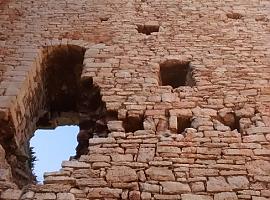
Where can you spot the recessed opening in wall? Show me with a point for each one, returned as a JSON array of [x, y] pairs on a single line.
[[104, 19], [133, 123], [61, 77], [234, 15], [51, 147], [176, 73], [183, 122], [147, 29]]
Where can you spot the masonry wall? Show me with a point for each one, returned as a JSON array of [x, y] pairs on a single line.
[[224, 151]]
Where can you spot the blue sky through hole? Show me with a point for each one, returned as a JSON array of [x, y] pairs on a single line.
[[51, 147]]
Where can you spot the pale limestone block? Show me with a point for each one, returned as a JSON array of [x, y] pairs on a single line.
[[160, 174], [121, 174], [115, 126], [65, 196], [122, 157], [146, 154], [146, 196], [91, 182], [218, 184], [173, 123], [197, 187], [11, 194], [149, 124], [99, 158], [195, 197], [226, 196], [147, 187], [238, 182], [175, 187], [45, 196], [75, 164]]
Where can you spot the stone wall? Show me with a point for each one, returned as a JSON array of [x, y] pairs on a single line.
[[210, 140]]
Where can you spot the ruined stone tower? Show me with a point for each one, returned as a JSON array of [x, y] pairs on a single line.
[[172, 97]]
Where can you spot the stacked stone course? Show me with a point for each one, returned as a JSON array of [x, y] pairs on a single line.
[[151, 152]]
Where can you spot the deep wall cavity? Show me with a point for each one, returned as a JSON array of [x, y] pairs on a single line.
[[176, 73]]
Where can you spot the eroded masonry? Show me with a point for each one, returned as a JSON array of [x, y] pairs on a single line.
[[172, 98]]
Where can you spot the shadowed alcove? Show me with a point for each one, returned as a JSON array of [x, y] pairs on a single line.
[[176, 73]]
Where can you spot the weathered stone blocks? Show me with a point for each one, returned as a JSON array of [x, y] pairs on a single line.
[[175, 187], [121, 174], [160, 174]]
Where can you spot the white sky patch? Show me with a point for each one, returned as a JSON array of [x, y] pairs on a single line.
[[51, 147]]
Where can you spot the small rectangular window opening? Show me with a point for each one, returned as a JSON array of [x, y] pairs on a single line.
[[183, 122], [176, 73], [147, 29]]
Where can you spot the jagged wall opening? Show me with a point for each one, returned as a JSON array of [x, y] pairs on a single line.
[[71, 100], [62, 97]]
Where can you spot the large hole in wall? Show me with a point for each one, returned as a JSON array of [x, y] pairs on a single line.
[[183, 122], [133, 123], [176, 73], [62, 98], [71, 100], [61, 142]]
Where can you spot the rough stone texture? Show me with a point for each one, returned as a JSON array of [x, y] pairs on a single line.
[[195, 197], [11, 194], [218, 184], [175, 187], [225, 196], [238, 182], [121, 174], [146, 154], [160, 174], [211, 138]]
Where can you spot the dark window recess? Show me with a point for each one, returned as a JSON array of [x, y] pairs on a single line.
[[133, 123], [183, 122], [104, 19], [176, 73], [62, 77], [147, 29], [234, 15]]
